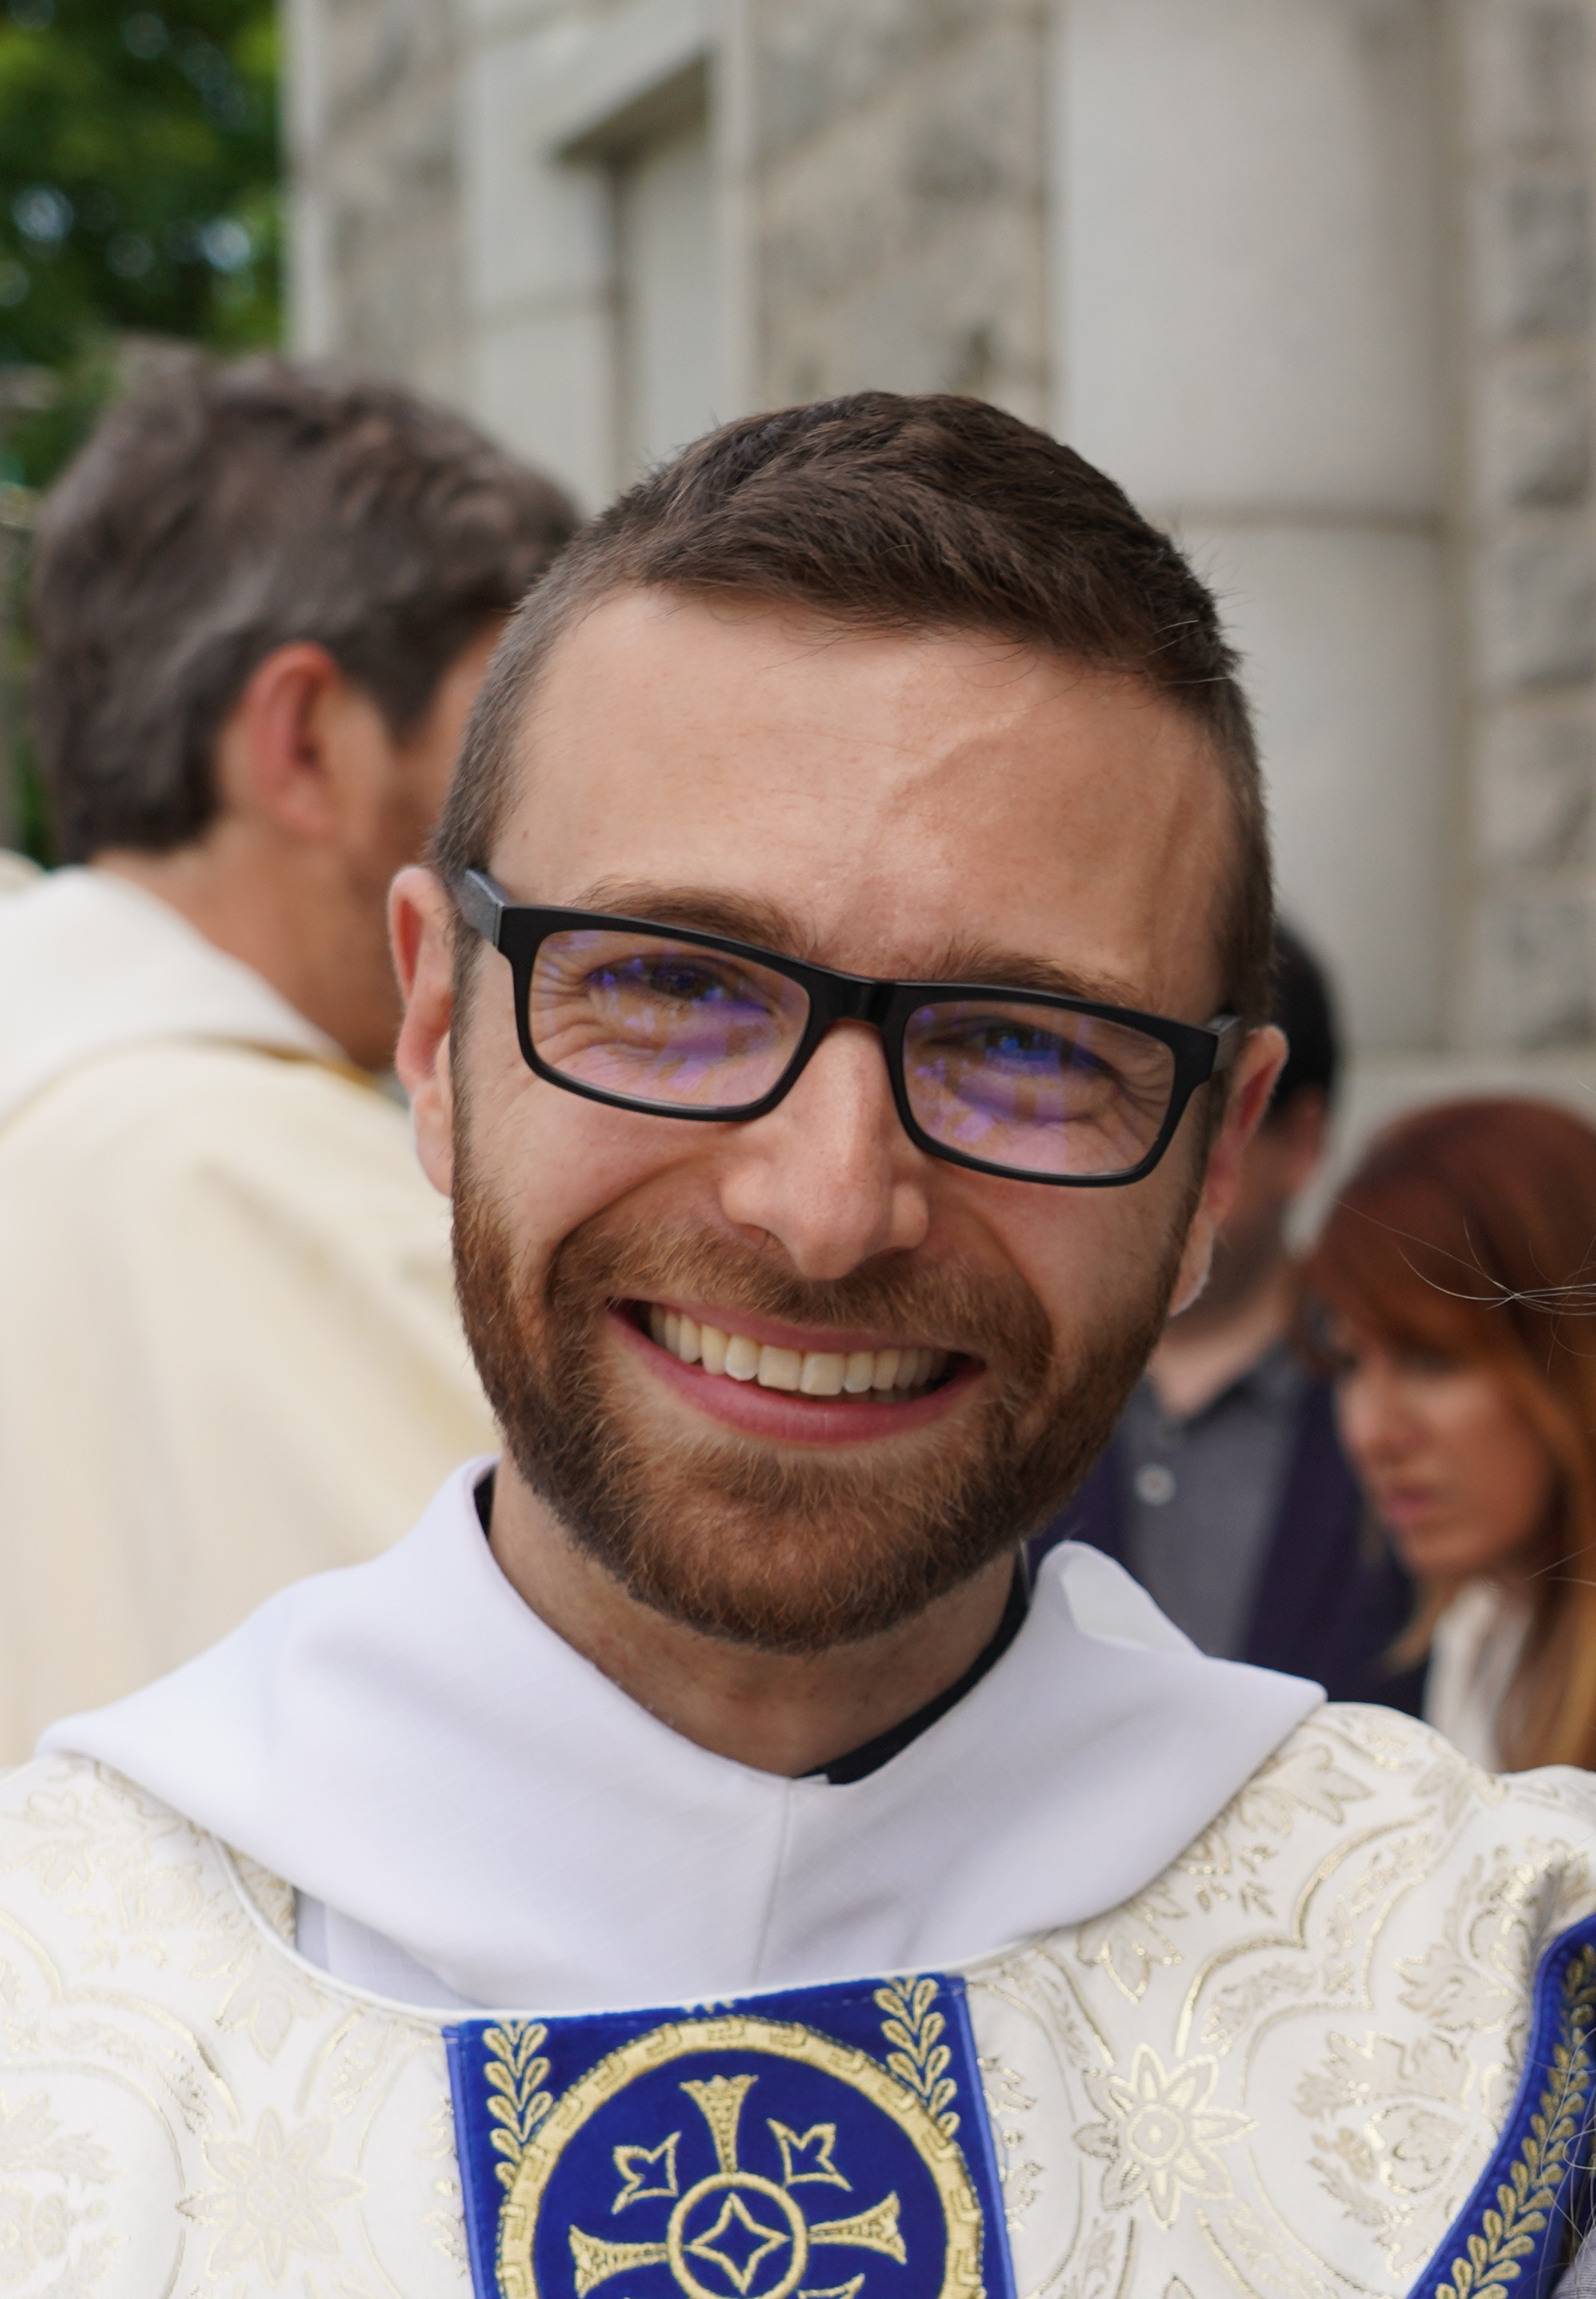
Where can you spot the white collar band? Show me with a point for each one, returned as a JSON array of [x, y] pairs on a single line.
[[408, 1743]]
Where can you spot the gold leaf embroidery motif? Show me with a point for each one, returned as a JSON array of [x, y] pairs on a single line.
[[516, 2074], [1528, 2195], [919, 2058]]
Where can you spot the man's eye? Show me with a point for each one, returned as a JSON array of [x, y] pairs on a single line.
[[1030, 1046], [1014, 1043], [682, 982]]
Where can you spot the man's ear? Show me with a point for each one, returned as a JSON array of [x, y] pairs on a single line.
[[275, 756], [1252, 1081], [421, 933]]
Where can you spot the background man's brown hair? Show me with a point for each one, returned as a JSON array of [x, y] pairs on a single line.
[[915, 514], [219, 514]]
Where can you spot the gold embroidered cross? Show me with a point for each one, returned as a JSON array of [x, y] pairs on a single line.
[[746, 2229]]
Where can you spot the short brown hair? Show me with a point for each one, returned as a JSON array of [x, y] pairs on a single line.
[[221, 513], [890, 513]]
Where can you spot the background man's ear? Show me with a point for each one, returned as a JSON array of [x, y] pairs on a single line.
[[277, 755], [421, 933]]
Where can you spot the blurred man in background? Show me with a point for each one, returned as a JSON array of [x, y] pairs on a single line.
[[1225, 1489], [229, 1355]]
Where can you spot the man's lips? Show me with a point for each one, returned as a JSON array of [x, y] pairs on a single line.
[[773, 1381]]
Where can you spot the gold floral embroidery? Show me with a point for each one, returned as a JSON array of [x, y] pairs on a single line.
[[1475, 1974], [1130, 1940], [1008, 2103], [40, 2164], [914, 2028], [268, 1992], [1410, 2121], [446, 2223], [1306, 1774], [273, 2199], [1099, 2275], [1158, 2134], [1235, 2007]]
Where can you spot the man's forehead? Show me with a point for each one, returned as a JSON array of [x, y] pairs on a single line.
[[897, 803]]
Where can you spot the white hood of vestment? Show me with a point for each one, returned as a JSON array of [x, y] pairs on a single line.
[[91, 964], [407, 1743]]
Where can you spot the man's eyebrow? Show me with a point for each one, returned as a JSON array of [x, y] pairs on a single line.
[[745, 918], [700, 909], [1014, 969]]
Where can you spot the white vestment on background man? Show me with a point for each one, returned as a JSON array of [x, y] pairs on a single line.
[[1203, 1986], [229, 1354]]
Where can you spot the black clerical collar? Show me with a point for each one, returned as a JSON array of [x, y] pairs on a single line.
[[859, 1763], [871, 1755]]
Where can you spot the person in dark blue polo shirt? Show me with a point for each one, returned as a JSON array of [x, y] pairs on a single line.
[[1225, 1489]]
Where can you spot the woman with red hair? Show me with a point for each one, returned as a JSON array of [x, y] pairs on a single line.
[[1456, 1281]]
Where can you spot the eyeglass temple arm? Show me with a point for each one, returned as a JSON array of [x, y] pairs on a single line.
[[1228, 1034], [481, 903]]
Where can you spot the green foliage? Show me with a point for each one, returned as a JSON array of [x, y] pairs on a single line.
[[138, 198], [138, 193]]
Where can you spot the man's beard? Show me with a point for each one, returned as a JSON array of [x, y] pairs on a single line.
[[789, 1550]]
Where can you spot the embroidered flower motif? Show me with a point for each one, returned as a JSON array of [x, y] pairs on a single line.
[[1130, 1939], [273, 2198], [1157, 2135]]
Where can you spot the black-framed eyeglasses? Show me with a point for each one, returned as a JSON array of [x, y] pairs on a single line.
[[1019, 1082]]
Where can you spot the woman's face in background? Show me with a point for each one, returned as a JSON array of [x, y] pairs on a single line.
[[1453, 1467]]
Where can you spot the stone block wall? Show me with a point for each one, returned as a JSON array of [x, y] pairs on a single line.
[[1527, 139], [372, 112], [897, 156]]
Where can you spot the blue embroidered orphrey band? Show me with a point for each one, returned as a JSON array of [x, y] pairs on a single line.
[[825, 2143], [1533, 2200]]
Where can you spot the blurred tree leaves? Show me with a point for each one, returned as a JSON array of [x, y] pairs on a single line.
[[139, 195], [138, 204]]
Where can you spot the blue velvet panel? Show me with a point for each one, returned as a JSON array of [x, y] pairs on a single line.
[[824, 2143], [1523, 2219]]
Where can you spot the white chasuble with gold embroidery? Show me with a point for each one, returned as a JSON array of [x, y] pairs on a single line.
[[987, 2028]]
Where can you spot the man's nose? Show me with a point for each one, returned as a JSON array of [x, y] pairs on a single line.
[[829, 1172]]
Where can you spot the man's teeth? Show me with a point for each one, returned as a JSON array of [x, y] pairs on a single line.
[[812, 1372]]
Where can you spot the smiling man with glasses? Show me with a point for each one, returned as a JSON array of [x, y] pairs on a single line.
[[836, 1012]]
